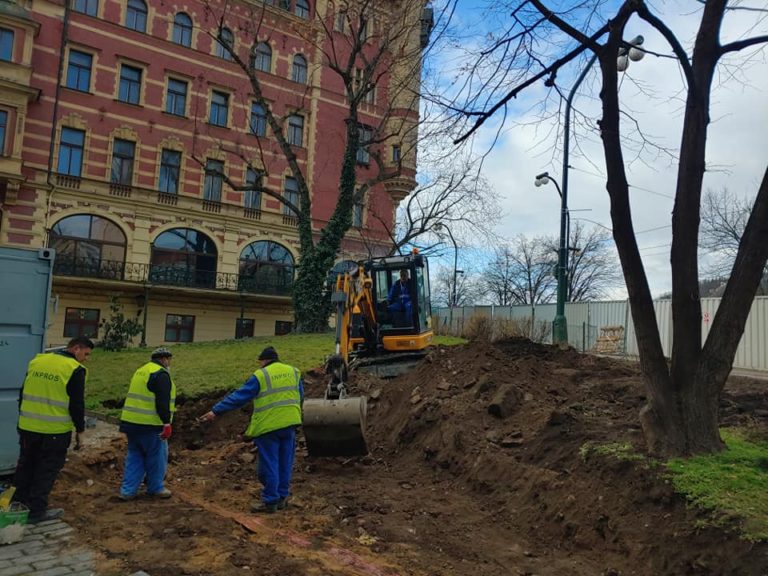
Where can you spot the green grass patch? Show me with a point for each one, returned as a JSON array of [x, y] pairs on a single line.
[[622, 451], [207, 366], [732, 484]]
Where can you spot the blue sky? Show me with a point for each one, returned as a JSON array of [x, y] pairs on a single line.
[[737, 148]]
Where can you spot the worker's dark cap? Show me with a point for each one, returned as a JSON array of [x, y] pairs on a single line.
[[268, 353], [162, 352]]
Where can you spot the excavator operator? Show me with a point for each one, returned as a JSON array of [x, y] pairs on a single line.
[[399, 299]]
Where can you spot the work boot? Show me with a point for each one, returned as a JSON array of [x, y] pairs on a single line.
[[50, 514], [126, 497], [263, 507], [164, 493], [282, 504]]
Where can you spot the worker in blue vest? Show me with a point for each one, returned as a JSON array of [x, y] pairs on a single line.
[[51, 405], [277, 392], [146, 421]]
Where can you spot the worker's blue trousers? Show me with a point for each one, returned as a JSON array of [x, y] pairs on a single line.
[[147, 455], [276, 451]]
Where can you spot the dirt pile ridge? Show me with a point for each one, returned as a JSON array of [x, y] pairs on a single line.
[[478, 467]]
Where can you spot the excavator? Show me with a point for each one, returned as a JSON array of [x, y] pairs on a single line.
[[376, 332]]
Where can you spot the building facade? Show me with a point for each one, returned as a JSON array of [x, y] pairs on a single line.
[[128, 131]]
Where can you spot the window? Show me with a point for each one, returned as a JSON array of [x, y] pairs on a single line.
[[261, 58], [182, 29], [295, 130], [214, 180], [302, 9], [396, 153], [123, 153], [299, 69], [183, 257], [285, 4], [130, 84], [81, 322], [89, 7], [340, 24], [357, 214], [254, 179], [219, 108], [290, 193], [258, 119], [225, 44], [244, 328], [136, 15], [368, 90], [3, 130], [170, 166], [6, 44], [179, 328], [363, 28], [366, 135], [71, 149], [88, 246], [79, 70], [266, 267], [176, 97], [283, 327]]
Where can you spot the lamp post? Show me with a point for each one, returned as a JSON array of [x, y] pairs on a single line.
[[560, 325]]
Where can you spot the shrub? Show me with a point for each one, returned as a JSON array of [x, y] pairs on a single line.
[[118, 330]]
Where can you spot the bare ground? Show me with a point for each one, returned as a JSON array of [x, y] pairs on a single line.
[[477, 468]]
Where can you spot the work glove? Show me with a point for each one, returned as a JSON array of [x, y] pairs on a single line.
[[166, 433]]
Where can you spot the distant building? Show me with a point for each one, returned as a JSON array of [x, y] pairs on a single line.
[[118, 119]]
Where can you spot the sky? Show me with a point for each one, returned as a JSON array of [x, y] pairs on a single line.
[[737, 150]]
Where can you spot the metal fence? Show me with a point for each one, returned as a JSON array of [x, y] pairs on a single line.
[[592, 325]]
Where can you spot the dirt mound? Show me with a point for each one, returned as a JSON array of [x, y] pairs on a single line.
[[481, 464]]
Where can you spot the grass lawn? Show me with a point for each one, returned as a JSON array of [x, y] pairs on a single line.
[[732, 484], [207, 366]]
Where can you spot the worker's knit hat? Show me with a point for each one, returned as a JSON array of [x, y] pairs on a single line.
[[268, 353]]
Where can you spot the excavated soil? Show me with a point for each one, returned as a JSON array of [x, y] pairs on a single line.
[[479, 466]]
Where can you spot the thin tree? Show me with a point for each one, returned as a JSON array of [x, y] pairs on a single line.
[[681, 413], [362, 43]]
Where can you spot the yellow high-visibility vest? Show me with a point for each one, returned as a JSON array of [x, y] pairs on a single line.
[[139, 405], [278, 404], [44, 399]]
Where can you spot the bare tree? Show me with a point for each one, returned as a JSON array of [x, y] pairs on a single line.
[[681, 413], [522, 271], [724, 217], [468, 288], [593, 270], [368, 46]]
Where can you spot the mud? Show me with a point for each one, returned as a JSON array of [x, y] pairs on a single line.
[[479, 466]]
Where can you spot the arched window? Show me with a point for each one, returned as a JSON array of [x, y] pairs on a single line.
[[182, 29], [302, 8], [183, 257], [261, 59], [299, 69], [136, 15], [266, 267], [88, 245], [225, 44]]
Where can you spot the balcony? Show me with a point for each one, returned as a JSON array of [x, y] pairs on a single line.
[[169, 276]]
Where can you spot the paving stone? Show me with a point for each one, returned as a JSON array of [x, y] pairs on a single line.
[[17, 570], [84, 573], [5, 563], [75, 558], [56, 571], [13, 551], [59, 532], [49, 562]]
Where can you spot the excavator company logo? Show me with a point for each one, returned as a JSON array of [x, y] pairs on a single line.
[[46, 376]]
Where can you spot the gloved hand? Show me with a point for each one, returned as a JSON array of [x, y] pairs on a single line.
[[166, 433]]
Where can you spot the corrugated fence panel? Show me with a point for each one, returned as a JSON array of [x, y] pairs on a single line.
[[752, 353]]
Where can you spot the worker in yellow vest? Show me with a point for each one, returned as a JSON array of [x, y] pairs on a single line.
[[277, 392], [51, 405], [146, 421]]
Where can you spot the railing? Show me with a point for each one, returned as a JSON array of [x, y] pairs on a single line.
[[290, 220], [121, 190], [252, 213], [68, 181], [168, 276], [167, 198], [212, 206]]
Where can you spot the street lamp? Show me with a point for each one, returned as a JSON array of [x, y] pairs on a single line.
[[635, 54]]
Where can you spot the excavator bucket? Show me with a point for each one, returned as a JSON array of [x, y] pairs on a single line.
[[335, 427]]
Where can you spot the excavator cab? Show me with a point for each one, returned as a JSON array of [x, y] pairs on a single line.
[[383, 326]]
